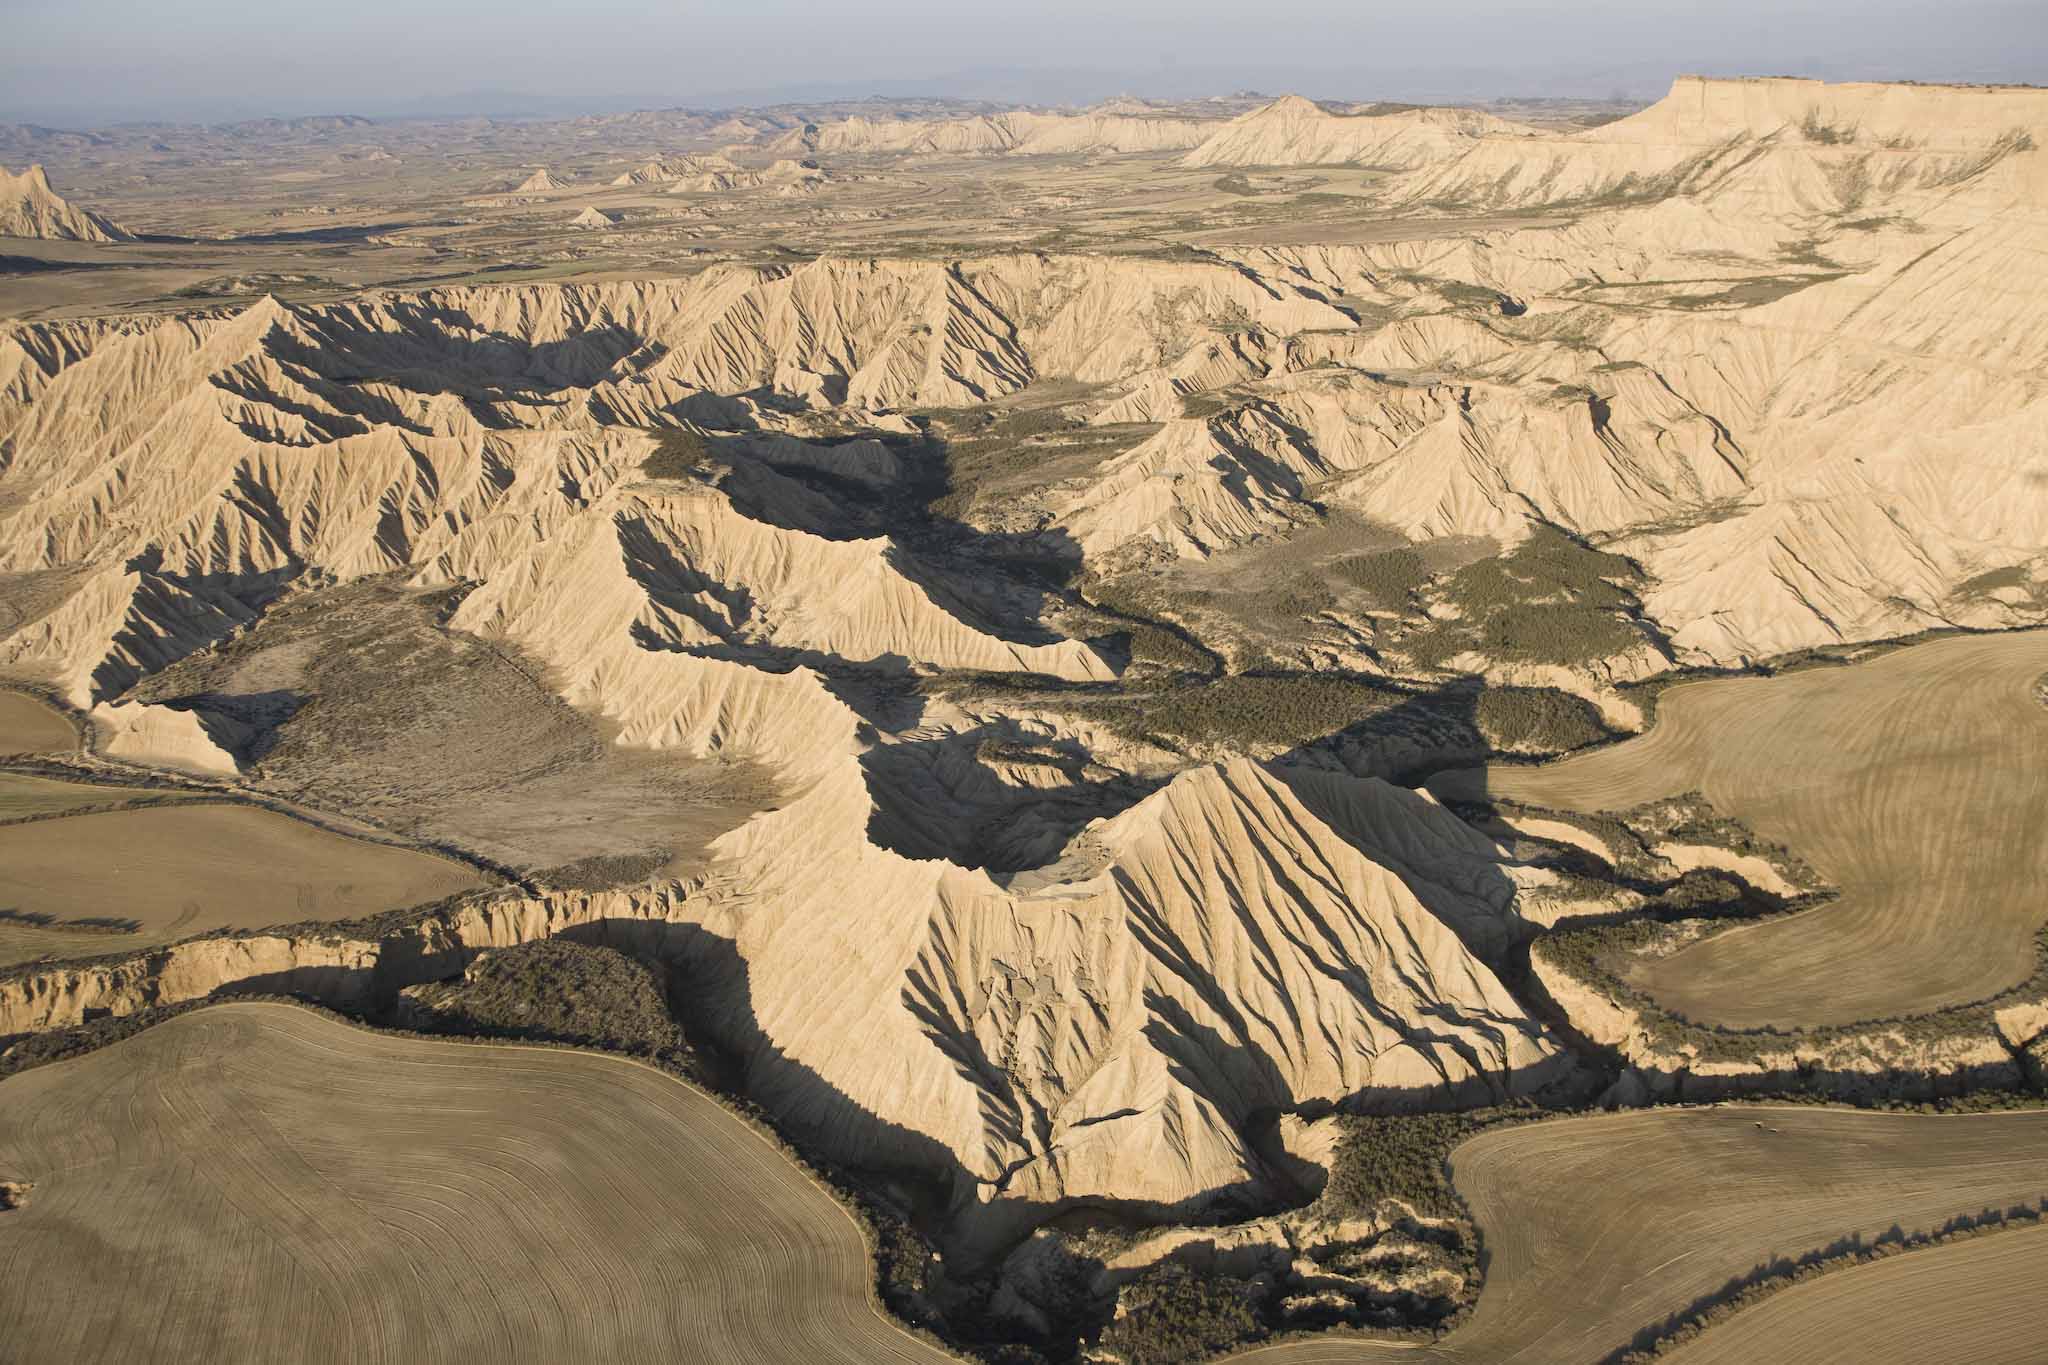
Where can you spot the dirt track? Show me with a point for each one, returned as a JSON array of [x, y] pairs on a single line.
[[1913, 782], [256, 1182], [1600, 1227]]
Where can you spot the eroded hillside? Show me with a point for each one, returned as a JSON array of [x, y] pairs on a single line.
[[1001, 686]]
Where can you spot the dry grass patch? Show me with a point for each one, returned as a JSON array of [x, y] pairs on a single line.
[[31, 726], [180, 870], [1978, 1300], [26, 796]]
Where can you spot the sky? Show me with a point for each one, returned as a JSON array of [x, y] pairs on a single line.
[[90, 62]]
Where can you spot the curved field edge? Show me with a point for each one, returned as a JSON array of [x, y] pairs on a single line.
[[1975, 1040], [160, 785], [181, 868], [868, 1221], [133, 790], [28, 718], [1777, 753], [1749, 1294], [1975, 1300], [1525, 1316]]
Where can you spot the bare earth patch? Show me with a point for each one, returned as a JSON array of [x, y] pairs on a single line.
[[257, 1182], [176, 871]]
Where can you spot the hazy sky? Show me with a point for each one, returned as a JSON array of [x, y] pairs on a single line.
[[87, 61]]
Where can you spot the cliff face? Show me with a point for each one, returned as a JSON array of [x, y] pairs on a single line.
[[353, 974], [1896, 116], [1874, 1060], [1296, 132]]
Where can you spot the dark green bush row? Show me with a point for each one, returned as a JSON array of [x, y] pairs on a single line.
[[1551, 601], [553, 990], [678, 454], [1783, 1273], [1249, 709], [1170, 1316], [1537, 718], [1388, 577], [1398, 1156]]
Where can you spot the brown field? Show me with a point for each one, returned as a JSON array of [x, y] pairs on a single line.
[[1912, 781], [1977, 1300], [182, 870], [257, 1182], [30, 726], [25, 795], [1600, 1227]]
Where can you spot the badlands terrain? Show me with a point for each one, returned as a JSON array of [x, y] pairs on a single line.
[[1122, 734]]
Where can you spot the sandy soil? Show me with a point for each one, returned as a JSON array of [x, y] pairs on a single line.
[[449, 739], [179, 871], [256, 1182], [1976, 1300], [1910, 781], [28, 726], [24, 795]]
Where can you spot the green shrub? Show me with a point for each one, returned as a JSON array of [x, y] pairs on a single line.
[[1251, 709], [1168, 1316], [1550, 601], [1537, 718], [678, 454], [1397, 1156], [555, 991], [1388, 577]]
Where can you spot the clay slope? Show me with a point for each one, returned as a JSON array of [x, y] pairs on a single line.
[[30, 208], [241, 469], [1109, 1027], [1791, 472], [1778, 142], [540, 182], [1845, 453], [1293, 131], [668, 170], [1019, 132], [186, 472], [1429, 459], [1218, 950]]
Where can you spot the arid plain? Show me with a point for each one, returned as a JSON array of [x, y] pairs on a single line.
[[907, 728]]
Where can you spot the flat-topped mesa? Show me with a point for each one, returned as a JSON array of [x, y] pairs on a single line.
[[1892, 115]]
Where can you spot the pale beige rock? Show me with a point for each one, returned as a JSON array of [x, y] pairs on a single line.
[[542, 181], [1106, 129], [1293, 131], [163, 737], [30, 208]]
